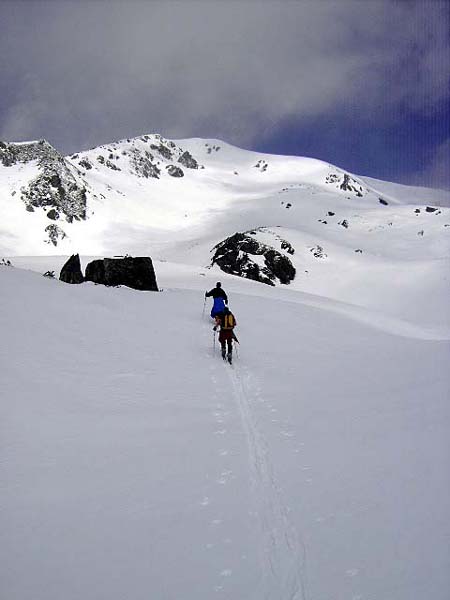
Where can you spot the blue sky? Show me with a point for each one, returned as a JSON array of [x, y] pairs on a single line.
[[361, 84], [402, 150]]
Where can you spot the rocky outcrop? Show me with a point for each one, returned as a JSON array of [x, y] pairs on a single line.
[[58, 185], [175, 171], [188, 161], [285, 245], [212, 148], [317, 252], [143, 165], [279, 266], [345, 183], [261, 165], [243, 255], [134, 272], [53, 214], [350, 185], [13, 153], [71, 271], [164, 149], [85, 164], [54, 234]]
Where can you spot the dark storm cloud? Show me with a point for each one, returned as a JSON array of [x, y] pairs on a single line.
[[83, 73]]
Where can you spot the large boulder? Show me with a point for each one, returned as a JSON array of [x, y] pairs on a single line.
[[71, 271], [134, 272]]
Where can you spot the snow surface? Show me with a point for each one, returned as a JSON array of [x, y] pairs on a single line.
[[136, 464]]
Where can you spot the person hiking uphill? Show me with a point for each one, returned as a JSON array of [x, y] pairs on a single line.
[[220, 299], [227, 322]]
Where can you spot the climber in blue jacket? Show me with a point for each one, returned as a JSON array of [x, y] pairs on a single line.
[[220, 299]]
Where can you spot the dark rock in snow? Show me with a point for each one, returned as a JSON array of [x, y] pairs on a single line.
[[55, 234], [318, 252], [11, 153], [234, 255], [137, 273], [85, 164], [53, 214], [163, 150], [285, 245], [188, 161], [344, 223], [57, 183], [280, 266], [430, 209], [143, 165], [382, 201], [332, 178], [71, 271], [351, 185], [175, 171], [330, 213], [112, 166], [262, 165]]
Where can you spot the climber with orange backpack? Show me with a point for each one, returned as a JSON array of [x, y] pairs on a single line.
[[226, 321]]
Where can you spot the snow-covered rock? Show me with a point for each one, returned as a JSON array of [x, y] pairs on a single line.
[[244, 255]]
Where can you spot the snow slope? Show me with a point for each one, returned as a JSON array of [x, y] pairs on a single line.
[[137, 465], [373, 254]]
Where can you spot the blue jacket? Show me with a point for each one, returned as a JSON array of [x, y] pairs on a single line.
[[218, 306]]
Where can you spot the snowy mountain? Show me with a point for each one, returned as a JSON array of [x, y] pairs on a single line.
[[136, 464], [151, 189], [177, 200]]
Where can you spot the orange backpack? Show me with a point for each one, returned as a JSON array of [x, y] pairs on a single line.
[[228, 321]]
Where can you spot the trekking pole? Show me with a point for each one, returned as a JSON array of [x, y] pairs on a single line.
[[204, 305], [214, 342], [236, 350]]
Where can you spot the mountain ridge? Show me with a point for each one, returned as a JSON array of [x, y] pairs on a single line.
[[122, 198]]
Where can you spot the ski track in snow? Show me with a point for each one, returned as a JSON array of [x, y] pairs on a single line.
[[283, 553]]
